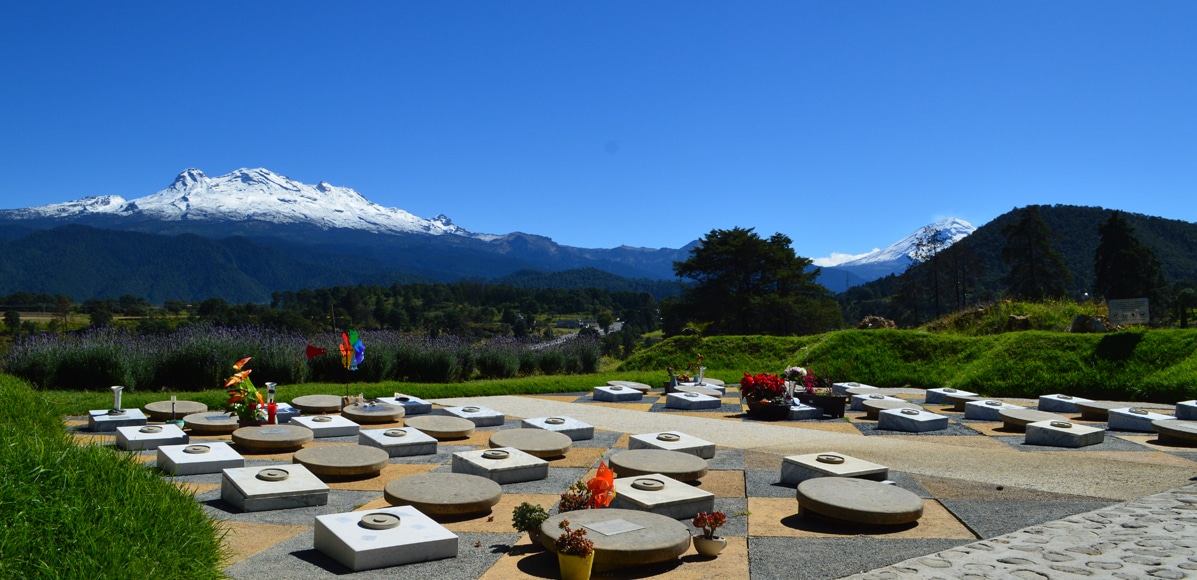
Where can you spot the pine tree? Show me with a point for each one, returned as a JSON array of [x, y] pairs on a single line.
[[1036, 270], [1124, 266]]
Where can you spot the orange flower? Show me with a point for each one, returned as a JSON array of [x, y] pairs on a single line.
[[236, 397], [602, 487], [237, 366], [239, 377]]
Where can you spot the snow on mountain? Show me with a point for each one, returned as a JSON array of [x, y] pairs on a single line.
[[256, 195], [896, 257]]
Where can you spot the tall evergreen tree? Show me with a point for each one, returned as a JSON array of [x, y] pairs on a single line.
[[1124, 266], [748, 285], [1036, 270]]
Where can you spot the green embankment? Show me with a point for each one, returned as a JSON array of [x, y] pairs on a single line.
[[1150, 365], [85, 511]]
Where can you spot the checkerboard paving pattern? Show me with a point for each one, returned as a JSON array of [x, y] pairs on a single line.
[[763, 527]]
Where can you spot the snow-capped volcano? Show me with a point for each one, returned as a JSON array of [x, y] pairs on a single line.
[[896, 257], [253, 195]]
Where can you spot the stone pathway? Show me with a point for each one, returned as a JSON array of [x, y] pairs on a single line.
[[1153, 537]]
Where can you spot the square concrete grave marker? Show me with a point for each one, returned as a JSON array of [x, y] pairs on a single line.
[[1063, 434], [842, 388], [575, 429], [479, 416], [692, 401], [328, 425], [1186, 410], [198, 459], [105, 420], [799, 468], [856, 403], [911, 420], [255, 489], [285, 412], [1135, 419], [1060, 403], [673, 441], [940, 396], [366, 540], [663, 495], [149, 437], [501, 465], [617, 394], [721, 389], [399, 442], [411, 405], [801, 412], [986, 410]]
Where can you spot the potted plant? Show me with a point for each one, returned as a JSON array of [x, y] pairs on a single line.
[[816, 392], [765, 395], [244, 399], [527, 517], [708, 544], [594, 494], [575, 553]]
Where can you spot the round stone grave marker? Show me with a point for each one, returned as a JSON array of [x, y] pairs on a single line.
[[675, 464], [1098, 410], [316, 404], [536, 442], [441, 427], [272, 438], [342, 460], [373, 413], [444, 494], [160, 410], [1014, 419], [874, 407], [659, 539], [700, 390], [210, 423], [1176, 432], [643, 388], [858, 500], [958, 400]]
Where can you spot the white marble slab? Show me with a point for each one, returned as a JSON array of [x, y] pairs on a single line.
[[517, 466], [1063, 434], [798, 468], [328, 425], [411, 405], [842, 388], [100, 421], [801, 412], [692, 401], [663, 495], [986, 410], [399, 441], [673, 441], [911, 420], [575, 429], [856, 403], [350, 538], [1061, 403], [149, 437], [940, 396], [1134, 419], [478, 415], [1186, 410], [616, 394], [248, 488], [177, 460]]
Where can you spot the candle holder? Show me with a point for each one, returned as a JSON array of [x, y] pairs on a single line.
[[116, 402]]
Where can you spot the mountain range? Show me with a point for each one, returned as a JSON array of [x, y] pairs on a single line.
[[243, 235]]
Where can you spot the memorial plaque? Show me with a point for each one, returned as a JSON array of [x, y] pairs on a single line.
[[1129, 311]]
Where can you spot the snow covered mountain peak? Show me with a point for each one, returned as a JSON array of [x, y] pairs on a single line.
[[900, 254], [255, 195]]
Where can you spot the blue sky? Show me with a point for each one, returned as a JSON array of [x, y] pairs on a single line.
[[845, 125]]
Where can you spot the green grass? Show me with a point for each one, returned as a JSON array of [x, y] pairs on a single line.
[[72, 511]]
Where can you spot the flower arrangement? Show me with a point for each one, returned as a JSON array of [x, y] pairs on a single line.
[[709, 523], [815, 385], [795, 374], [573, 542], [762, 387], [244, 399], [593, 494]]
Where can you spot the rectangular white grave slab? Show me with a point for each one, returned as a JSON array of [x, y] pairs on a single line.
[[1060, 403], [986, 410], [354, 541], [802, 412], [842, 388], [911, 420], [149, 437], [692, 401], [941, 395], [1063, 434], [575, 429], [101, 421], [721, 388], [328, 425], [179, 460], [253, 489], [517, 466], [663, 495], [798, 468], [1133, 419], [285, 412], [411, 405], [616, 394], [479, 416], [399, 442], [856, 403], [673, 441], [1186, 410]]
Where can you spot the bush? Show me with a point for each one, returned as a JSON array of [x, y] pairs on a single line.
[[551, 361]]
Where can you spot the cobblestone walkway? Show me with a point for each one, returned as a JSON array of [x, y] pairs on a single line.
[[1153, 537]]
